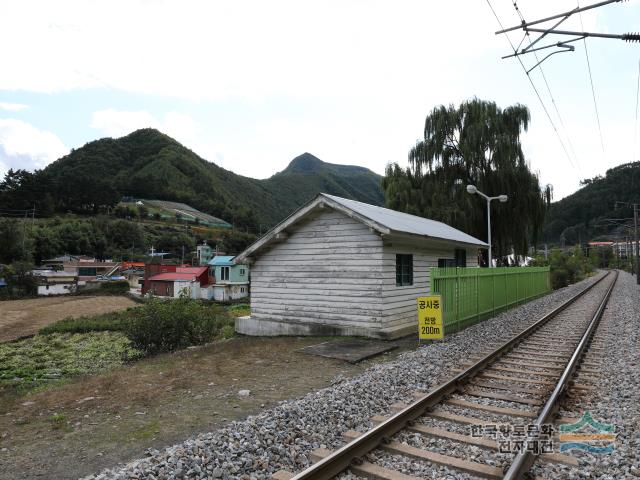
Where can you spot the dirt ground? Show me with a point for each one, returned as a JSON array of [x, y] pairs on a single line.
[[21, 318], [87, 424]]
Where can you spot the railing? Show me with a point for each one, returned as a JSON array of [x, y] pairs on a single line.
[[470, 295]]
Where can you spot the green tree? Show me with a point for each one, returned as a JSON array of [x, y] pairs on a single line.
[[15, 244], [476, 143]]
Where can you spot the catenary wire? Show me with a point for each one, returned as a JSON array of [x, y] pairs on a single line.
[[535, 89], [593, 90], [553, 100], [635, 128]]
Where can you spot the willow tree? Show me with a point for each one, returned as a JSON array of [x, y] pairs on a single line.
[[476, 143]]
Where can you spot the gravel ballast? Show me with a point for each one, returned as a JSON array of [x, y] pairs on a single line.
[[283, 437], [616, 397]]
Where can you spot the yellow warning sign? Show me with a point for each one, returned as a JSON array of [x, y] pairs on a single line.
[[430, 318]]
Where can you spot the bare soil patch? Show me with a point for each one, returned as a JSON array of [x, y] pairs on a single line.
[[87, 424], [20, 318]]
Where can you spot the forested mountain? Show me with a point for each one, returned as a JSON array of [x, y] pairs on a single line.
[[582, 215], [150, 164]]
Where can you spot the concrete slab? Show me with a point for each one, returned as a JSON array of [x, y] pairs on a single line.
[[352, 351]]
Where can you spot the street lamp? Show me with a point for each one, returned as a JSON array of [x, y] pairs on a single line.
[[472, 189]]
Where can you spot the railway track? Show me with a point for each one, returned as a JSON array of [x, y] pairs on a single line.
[[519, 385]]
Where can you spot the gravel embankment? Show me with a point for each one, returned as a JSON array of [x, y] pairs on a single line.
[[283, 436], [616, 398]]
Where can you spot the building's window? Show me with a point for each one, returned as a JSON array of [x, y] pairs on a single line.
[[446, 262], [224, 273], [459, 260], [404, 269], [241, 289], [461, 257], [242, 271]]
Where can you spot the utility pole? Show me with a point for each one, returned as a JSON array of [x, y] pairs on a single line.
[[635, 234]]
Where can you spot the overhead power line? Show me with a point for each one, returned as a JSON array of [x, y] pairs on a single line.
[[535, 89], [635, 128], [593, 90], [553, 100]]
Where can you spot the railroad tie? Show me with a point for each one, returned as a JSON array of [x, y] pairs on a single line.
[[365, 469], [474, 468], [476, 441]]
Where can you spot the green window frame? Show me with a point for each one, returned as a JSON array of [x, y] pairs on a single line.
[[404, 269]]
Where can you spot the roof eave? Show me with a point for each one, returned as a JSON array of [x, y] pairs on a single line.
[[477, 244]]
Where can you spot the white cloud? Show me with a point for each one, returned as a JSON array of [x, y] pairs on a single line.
[[180, 126], [13, 107], [379, 66], [117, 123], [251, 50], [24, 146]]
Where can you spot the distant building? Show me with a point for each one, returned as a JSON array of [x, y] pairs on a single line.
[[174, 281], [204, 253], [231, 280], [51, 282], [84, 267]]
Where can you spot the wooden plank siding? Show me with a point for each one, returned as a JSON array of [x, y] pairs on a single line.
[[399, 302], [334, 270], [328, 271]]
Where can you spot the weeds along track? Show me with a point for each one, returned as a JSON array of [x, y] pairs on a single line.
[[514, 391]]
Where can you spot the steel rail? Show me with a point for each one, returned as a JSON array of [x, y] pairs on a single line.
[[340, 459], [524, 461]]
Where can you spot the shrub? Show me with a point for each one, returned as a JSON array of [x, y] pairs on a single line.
[[114, 321], [163, 326], [116, 287], [559, 278]]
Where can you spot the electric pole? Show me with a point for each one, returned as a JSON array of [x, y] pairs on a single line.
[[635, 234]]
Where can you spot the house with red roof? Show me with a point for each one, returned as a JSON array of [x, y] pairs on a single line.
[[174, 281]]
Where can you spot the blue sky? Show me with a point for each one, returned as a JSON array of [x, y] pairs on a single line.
[[249, 85]]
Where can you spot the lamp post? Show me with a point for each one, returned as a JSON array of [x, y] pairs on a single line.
[[503, 198]]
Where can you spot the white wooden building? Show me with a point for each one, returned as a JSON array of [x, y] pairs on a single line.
[[342, 267]]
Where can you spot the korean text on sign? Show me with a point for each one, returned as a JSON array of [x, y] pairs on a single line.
[[430, 318]]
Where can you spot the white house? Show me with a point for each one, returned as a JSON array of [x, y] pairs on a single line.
[[342, 267], [52, 282], [231, 279]]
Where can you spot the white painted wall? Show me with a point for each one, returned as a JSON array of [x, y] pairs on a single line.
[[55, 289], [226, 292], [333, 270], [328, 271], [399, 303]]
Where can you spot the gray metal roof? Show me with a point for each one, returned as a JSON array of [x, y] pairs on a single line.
[[383, 220], [405, 223]]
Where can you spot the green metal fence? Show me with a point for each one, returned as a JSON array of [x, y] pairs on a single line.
[[470, 295]]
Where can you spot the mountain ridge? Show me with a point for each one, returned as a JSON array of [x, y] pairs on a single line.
[[150, 164], [581, 216]]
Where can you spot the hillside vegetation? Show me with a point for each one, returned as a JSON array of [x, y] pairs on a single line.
[[149, 164], [581, 216]]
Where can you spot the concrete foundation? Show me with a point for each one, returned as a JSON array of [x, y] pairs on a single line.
[[272, 328]]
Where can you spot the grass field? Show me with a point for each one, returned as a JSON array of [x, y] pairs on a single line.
[[20, 318]]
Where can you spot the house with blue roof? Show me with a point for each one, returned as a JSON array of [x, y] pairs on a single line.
[[231, 279]]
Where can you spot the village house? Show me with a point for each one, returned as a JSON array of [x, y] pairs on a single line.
[[342, 267], [173, 281], [86, 268], [52, 282], [231, 279], [204, 253]]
